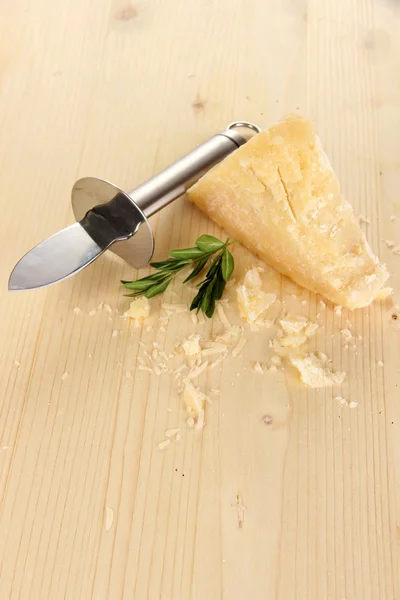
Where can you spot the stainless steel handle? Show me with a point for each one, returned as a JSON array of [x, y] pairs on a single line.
[[171, 183]]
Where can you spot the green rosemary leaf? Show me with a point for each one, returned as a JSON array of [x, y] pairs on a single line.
[[198, 268], [228, 264], [219, 287], [158, 288], [210, 289], [187, 253], [209, 243]]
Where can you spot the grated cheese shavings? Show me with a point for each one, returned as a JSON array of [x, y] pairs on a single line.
[[214, 348], [164, 444], [239, 347], [217, 362], [222, 316], [194, 373], [172, 432]]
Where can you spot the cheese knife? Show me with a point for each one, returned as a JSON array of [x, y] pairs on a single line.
[[108, 218]]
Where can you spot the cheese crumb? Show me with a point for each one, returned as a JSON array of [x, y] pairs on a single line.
[[139, 309], [342, 401], [389, 243], [293, 323], [353, 404], [77, 310], [172, 432], [109, 518], [164, 444], [258, 368], [91, 313], [196, 372], [239, 347], [396, 250], [380, 363], [213, 348], [313, 373], [191, 346], [252, 300], [64, 376], [195, 401], [346, 334], [222, 316], [363, 219], [276, 360], [230, 334], [338, 310], [298, 330]]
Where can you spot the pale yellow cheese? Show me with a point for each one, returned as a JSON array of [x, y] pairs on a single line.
[[295, 331], [278, 195], [314, 373], [139, 309], [191, 346], [252, 300]]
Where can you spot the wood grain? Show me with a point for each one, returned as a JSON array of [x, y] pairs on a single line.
[[284, 494]]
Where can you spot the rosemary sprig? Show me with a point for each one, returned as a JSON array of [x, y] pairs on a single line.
[[210, 290]]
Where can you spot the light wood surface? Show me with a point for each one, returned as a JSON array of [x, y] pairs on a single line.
[[303, 507]]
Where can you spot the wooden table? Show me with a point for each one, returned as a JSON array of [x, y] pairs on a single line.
[[304, 505]]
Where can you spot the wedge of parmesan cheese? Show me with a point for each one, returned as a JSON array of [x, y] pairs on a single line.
[[314, 373], [252, 300], [278, 195]]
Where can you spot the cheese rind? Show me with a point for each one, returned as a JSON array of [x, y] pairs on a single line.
[[278, 195]]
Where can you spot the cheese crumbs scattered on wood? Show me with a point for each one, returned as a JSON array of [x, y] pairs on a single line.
[[314, 373], [252, 300], [199, 354], [139, 310]]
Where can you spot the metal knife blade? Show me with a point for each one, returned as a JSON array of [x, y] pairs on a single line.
[[60, 256], [73, 248]]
